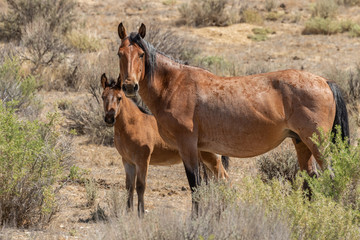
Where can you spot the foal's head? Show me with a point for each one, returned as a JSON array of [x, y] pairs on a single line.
[[111, 98], [133, 57]]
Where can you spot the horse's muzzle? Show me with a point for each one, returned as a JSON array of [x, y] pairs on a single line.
[[130, 90], [110, 118]]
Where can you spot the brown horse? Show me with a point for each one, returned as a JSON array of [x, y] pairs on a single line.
[[137, 139], [236, 116]]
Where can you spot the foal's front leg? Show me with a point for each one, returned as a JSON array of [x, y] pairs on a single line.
[[130, 183], [141, 173]]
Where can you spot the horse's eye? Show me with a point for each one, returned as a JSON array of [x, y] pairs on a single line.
[[141, 55], [118, 99], [119, 54]]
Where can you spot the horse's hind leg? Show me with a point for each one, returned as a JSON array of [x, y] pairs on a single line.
[[214, 163], [305, 157], [130, 183]]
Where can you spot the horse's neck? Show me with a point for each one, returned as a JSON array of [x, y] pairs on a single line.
[[150, 88]]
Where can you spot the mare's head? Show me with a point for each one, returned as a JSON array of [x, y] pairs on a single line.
[[135, 59], [111, 98]]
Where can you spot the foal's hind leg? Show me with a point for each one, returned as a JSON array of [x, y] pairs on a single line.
[[213, 162], [130, 182]]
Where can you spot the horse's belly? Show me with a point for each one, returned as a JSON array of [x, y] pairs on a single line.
[[164, 157], [242, 142]]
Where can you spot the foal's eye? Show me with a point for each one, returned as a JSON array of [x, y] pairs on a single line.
[[118, 99], [119, 54], [141, 55]]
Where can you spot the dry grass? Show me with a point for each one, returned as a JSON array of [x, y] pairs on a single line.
[[221, 216], [206, 13], [280, 164]]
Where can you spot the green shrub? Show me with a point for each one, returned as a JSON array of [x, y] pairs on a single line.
[[18, 88], [260, 34], [342, 182], [320, 218], [354, 30], [205, 13], [59, 14], [326, 26], [30, 163]]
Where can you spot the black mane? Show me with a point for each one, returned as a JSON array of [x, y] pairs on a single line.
[[150, 53]]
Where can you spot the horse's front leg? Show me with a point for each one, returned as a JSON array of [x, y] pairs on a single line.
[[130, 171], [189, 154]]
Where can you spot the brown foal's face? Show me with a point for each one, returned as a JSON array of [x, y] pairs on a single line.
[[132, 61], [111, 99]]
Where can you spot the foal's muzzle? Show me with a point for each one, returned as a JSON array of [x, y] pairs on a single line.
[[110, 118], [130, 90]]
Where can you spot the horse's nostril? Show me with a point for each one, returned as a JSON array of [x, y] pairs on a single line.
[[124, 87], [136, 87]]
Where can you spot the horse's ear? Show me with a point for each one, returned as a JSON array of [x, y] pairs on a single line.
[[104, 81], [121, 31], [142, 30]]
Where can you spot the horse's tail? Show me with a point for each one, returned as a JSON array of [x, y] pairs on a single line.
[[341, 115], [225, 160]]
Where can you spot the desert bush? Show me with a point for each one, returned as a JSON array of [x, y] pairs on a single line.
[[18, 88], [205, 13], [270, 5], [348, 2], [32, 154], [280, 165], [325, 9], [58, 14], [318, 218], [42, 47], [171, 44], [342, 182], [348, 81], [83, 42], [260, 34], [354, 30], [216, 64], [327, 26], [251, 16], [221, 216], [88, 120], [91, 192]]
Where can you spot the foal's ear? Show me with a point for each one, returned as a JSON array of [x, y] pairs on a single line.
[[142, 30], [118, 82], [104, 81], [121, 31]]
